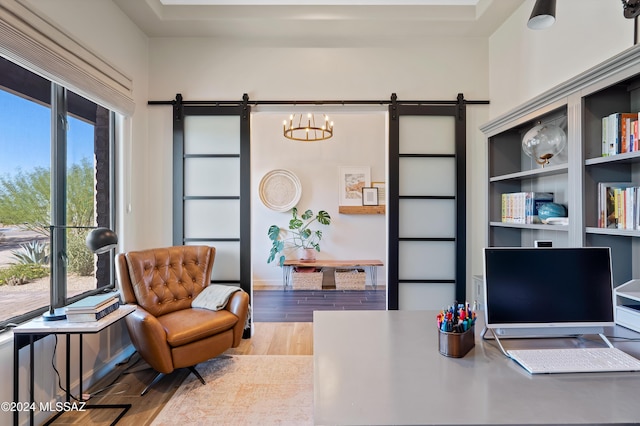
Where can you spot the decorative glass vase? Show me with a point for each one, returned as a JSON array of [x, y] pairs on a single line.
[[543, 142]]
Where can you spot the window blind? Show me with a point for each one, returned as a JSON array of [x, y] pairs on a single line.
[[31, 41]]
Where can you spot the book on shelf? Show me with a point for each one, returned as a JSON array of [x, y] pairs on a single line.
[[93, 315], [522, 207], [619, 133], [618, 205], [605, 137]]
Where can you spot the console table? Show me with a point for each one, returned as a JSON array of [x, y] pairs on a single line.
[[370, 266], [384, 367], [27, 333]]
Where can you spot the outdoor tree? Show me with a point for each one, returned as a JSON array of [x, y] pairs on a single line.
[[24, 198], [25, 203]]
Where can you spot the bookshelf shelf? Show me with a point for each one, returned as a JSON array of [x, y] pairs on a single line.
[[578, 106], [628, 157], [530, 174], [532, 226], [610, 231]]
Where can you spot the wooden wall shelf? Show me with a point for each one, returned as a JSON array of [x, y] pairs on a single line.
[[361, 209]]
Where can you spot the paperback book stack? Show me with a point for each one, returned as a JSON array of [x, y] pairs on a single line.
[[620, 133], [618, 205], [92, 308], [522, 207]]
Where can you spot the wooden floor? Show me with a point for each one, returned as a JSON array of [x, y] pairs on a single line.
[[282, 326], [270, 338], [298, 305]]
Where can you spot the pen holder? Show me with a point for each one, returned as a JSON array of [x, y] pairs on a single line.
[[456, 345]]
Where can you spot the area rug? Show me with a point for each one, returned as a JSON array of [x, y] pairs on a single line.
[[245, 390]]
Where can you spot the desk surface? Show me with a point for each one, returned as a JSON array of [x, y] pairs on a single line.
[[329, 263], [38, 325], [384, 367]]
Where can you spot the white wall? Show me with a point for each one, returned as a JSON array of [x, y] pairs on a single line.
[[211, 69], [359, 140], [207, 68], [524, 63], [102, 27]]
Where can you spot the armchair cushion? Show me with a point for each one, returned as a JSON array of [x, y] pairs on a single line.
[[190, 325]]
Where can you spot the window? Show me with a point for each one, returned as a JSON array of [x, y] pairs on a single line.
[[51, 172]]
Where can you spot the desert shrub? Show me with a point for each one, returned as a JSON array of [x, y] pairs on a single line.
[[22, 273], [32, 252], [80, 259]]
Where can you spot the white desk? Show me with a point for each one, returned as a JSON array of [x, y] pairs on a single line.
[[27, 333], [384, 367]]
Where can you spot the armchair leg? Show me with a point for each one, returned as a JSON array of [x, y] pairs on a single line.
[[153, 382], [195, 373], [159, 376]]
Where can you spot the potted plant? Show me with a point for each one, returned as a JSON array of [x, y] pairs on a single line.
[[298, 236]]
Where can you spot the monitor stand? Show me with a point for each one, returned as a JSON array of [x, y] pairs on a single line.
[[531, 333]]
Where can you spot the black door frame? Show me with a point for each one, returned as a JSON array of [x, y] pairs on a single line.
[[458, 111], [180, 110]]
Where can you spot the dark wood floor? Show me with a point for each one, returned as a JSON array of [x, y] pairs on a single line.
[[298, 305]]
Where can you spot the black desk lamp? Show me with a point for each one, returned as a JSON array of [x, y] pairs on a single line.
[[99, 240]]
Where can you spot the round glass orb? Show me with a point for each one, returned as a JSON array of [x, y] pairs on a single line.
[[543, 142]]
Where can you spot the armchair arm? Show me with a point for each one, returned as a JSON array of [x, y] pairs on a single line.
[[239, 306], [150, 340]]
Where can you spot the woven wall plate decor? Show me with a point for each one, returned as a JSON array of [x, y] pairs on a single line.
[[280, 190]]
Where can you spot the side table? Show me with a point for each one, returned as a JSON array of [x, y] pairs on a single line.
[[29, 332]]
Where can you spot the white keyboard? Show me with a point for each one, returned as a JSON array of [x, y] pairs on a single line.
[[574, 360]]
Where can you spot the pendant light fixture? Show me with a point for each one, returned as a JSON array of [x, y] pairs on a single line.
[[543, 15], [631, 8], [307, 128]]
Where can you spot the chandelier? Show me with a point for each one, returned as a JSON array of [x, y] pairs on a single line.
[[307, 129]]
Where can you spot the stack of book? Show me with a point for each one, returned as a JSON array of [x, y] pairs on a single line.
[[522, 207], [92, 308], [618, 205], [620, 133]]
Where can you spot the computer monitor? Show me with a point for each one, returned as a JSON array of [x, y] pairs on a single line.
[[540, 292]]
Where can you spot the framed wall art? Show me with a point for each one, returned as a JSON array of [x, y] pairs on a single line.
[[382, 197], [351, 181], [369, 196]]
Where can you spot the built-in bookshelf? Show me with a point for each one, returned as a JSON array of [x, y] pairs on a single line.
[[578, 107], [512, 171]]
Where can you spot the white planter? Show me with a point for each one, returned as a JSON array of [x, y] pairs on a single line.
[[307, 255]]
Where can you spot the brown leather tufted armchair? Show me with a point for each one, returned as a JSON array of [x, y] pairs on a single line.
[[166, 331]]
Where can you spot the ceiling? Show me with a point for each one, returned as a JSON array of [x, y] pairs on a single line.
[[319, 22]]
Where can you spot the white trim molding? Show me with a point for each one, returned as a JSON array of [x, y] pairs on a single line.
[[31, 41]]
